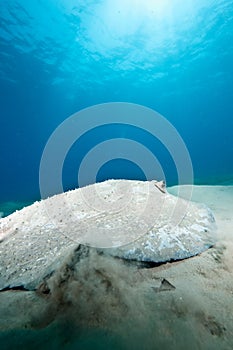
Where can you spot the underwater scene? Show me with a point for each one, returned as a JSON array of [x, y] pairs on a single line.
[[116, 193]]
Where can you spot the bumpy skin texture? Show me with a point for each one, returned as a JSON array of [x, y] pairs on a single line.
[[127, 219]]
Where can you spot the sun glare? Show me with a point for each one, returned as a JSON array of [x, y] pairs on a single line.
[[149, 21], [128, 15], [156, 7]]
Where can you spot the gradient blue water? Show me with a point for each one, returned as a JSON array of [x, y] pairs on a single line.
[[59, 56]]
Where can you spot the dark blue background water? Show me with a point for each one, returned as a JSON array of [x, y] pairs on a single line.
[[59, 56]]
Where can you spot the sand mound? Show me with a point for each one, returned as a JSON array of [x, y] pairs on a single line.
[[127, 219]]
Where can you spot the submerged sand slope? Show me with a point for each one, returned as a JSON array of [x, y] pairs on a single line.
[[138, 220], [179, 305]]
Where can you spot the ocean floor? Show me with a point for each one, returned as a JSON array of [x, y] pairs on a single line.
[[7, 208], [108, 303]]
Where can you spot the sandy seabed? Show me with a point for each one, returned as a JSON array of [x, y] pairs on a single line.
[[107, 303]]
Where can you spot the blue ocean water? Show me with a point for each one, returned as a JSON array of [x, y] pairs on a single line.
[[60, 56]]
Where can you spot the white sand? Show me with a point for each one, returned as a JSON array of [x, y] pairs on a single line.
[[197, 314], [133, 218]]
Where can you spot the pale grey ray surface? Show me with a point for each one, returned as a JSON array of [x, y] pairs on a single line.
[[128, 219]]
